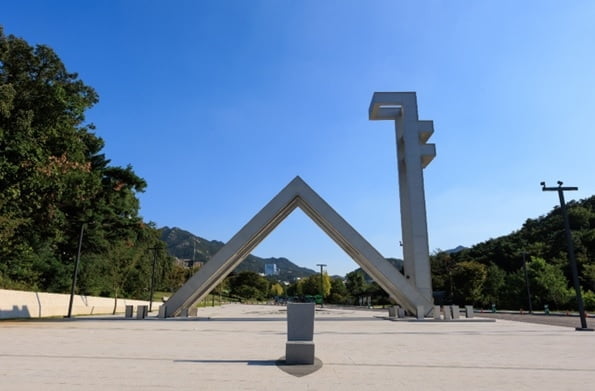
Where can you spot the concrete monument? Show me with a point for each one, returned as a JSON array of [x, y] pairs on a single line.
[[296, 194], [413, 290], [413, 155]]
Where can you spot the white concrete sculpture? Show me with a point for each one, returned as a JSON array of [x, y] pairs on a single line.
[[296, 194], [413, 155], [414, 290]]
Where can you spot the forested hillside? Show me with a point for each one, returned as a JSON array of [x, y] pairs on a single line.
[[182, 244], [492, 272], [56, 183]]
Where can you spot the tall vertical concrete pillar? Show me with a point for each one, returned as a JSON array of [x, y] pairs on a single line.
[[413, 155]]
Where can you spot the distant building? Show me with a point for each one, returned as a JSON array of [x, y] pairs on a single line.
[[270, 269]]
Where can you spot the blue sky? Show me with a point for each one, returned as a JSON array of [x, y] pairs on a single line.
[[219, 104]]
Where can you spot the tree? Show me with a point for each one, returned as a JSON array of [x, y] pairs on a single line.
[[311, 285], [249, 285], [54, 179], [174, 276], [45, 166], [276, 290], [542, 238], [355, 284], [442, 264], [548, 284], [468, 279], [589, 299], [589, 275], [377, 294], [514, 296], [338, 293], [494, 284], [296, 288]]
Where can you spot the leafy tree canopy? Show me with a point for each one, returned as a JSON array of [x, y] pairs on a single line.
[[54, 179], [493, 272]]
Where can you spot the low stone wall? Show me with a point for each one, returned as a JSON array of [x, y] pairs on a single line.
[[23, 304]]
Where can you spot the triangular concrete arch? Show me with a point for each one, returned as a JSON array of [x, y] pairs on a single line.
[[296, 194]]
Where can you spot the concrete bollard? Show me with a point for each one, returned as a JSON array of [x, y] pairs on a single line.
[[128, 311], [420, 312], [400, 312], [447, 313], [469, 311], [392, 311], [436, 312], [456, 312], [141, 311], [299, 348]]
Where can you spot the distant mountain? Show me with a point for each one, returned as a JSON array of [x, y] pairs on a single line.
[[455, 250], [185, 245]]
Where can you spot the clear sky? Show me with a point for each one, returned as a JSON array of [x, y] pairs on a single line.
[[220, 104]]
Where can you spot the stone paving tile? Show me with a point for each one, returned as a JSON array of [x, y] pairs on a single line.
[[237, 347]]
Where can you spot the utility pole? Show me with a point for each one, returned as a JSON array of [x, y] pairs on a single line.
[[322, 265], [571, 257]]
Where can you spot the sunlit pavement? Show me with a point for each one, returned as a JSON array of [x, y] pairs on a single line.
[[240, 347]]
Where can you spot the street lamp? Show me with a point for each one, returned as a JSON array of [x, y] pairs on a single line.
[[322, 265], [527, 283], [153, 277], [571, 258]]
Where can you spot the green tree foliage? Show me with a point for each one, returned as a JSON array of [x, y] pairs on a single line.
[[589, 300], [468, 279], [54, 179], [355, 284], [514, 293], [296, 288], [311, 285], [494, 286], [589, 275], [45, 172], [548, 284], [377, 294], [441, 265], [492, 271], [249, 285], [338, 293], [276, 290]]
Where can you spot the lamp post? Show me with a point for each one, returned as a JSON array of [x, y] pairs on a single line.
[[527, 283], [153, 277], [322, 265], [571, 258], [75, 272]]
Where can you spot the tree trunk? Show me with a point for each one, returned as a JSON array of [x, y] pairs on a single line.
[[115, 302]]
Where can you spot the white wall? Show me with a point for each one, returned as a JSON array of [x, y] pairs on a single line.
[[23, 304]]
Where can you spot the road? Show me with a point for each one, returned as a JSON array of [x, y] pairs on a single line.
[[540, 318]]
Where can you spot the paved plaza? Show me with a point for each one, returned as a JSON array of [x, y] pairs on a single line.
[[239, 347]]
